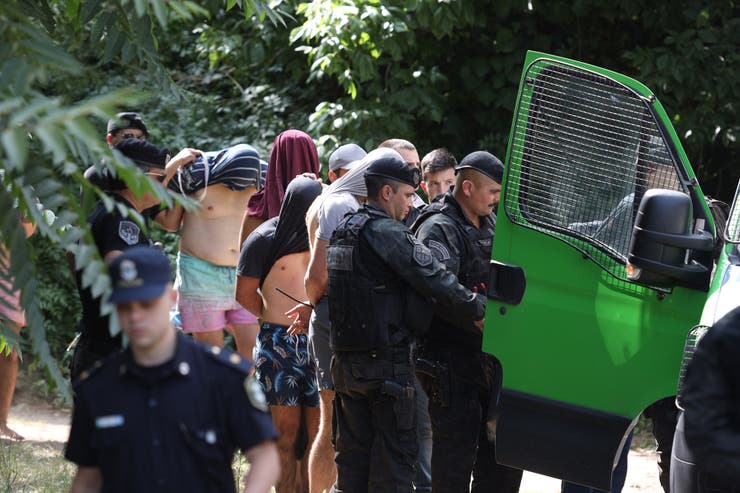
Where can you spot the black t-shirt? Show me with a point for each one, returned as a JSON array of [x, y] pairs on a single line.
[[256, 251], [111, 232]]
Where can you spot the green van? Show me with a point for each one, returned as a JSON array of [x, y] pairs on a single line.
[[601, 264]]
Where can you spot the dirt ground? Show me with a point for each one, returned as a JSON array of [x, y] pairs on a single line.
[[38, 421]]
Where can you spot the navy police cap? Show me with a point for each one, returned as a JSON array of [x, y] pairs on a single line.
[[389, 164], [140, 273], [483, 162]]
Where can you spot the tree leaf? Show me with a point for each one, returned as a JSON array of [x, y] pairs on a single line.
[[15, 143]]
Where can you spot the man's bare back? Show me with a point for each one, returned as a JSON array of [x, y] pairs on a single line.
[[287, 274], [212, 233]]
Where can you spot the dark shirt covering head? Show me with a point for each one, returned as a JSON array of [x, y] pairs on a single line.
[[292, 154], [280, 236]]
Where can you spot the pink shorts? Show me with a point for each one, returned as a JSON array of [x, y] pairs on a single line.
[[211, 315], [206, 296]]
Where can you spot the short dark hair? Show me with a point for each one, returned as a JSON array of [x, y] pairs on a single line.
[[375, 182], [438, 160]]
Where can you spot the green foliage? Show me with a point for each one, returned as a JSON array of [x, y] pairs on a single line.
[[43, 125], [445, 73]]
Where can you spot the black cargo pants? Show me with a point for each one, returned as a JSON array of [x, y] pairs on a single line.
[[374, 421], [459, 399]]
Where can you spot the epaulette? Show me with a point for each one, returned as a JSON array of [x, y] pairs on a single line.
[[227, 358], [89, 372]]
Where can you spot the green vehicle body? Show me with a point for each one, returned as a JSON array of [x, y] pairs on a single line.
[[586, 347]]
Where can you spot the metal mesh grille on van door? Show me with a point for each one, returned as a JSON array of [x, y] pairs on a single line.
[[692, 340], [584, 151]]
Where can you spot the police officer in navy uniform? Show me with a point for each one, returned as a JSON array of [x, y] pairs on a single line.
[[113, 233], [459, 231], [168, 413], [380, 282]]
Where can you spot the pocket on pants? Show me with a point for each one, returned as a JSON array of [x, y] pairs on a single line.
[[404, 408]]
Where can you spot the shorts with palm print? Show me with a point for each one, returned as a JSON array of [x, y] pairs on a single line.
[[284, 368]]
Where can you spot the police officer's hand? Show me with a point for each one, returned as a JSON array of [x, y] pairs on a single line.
[[301, 314], [479, 324], [479, 289]]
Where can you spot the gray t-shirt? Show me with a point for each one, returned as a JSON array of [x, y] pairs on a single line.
[[331, 212]]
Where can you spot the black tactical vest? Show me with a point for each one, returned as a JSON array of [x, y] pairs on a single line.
[[365, 296]]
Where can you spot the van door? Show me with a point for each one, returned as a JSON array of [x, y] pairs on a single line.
[[586, 349]]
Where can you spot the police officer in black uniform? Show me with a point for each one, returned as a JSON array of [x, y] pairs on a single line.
[[113, 233], [168, 413], [460, 377], [711, 404], [380, 281]]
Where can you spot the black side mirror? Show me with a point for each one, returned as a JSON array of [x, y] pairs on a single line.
[[661, 241]]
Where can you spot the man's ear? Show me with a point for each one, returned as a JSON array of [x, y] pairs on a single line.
[[424, 187], [385, 192], [467, 187], [332, 176], [108, 138]]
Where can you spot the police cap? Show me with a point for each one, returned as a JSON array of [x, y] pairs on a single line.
[[127, 120], [389, 164], [140, 273], [143, 153], [483, 162]]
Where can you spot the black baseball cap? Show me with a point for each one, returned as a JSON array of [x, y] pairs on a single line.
[[127, 119], [388, 163], [139, 274], [143, 153], [483, 162]]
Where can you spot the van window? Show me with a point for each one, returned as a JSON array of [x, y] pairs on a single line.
[[584, 151]]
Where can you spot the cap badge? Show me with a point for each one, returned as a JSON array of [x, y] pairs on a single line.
[[128, 270]]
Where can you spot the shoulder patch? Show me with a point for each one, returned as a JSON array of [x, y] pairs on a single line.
[[129, 232], [439, 250], [422, 255], [254, 393]]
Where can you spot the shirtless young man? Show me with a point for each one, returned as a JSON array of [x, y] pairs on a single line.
[[209, 245], [270, 275]]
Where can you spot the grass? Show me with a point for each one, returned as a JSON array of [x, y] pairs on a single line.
[[34, 467]]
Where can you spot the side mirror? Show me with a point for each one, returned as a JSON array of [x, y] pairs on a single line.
[[661, 241]]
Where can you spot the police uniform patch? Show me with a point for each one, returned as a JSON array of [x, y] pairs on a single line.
[[439, 251], [254, 393], [339, 257], [422, 255], [129, 232]]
